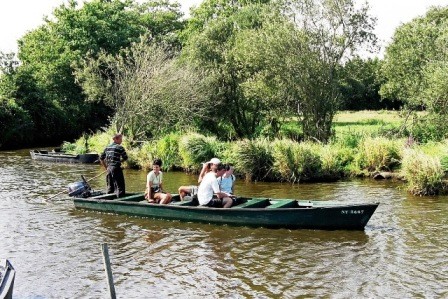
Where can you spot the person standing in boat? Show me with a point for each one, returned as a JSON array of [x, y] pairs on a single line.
[[154, 192], [111, 158], [208, 192], [192, 190]]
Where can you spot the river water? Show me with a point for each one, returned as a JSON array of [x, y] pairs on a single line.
[[56, 250]]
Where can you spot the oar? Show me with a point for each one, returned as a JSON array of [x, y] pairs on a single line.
[[59, 193]]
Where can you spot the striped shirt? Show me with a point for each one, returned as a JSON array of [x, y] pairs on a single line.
[[114, 154]]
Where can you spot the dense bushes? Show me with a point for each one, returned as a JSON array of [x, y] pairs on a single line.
[[286, 160], [423, 173]]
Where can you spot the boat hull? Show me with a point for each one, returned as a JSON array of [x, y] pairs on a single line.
[[7, 276], [307, 215], [61, 157]]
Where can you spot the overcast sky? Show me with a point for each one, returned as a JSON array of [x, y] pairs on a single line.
[[19, 16]]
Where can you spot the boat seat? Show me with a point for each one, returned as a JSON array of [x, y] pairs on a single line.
[[284, 203], [253, 203], [182, 203], [133, 198]]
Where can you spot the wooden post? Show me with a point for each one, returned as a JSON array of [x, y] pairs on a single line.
[[108, 269]]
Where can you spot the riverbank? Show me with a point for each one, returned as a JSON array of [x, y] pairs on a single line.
[[421, 166]]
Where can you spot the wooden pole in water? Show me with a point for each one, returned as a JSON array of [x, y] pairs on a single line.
[[108, 269]]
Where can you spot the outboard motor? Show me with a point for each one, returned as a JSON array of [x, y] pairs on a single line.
[[79, 189]]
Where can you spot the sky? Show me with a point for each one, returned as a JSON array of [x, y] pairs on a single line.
[[20, 16]]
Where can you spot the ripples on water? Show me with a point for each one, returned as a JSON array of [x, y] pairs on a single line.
[[57, 254]]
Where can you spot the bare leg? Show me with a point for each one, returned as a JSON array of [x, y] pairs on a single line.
[[165, 198], [227, 202]]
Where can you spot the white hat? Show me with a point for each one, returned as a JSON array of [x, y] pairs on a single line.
[[214, 161]]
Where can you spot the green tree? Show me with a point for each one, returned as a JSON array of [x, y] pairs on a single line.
[[360, 82], [46, 86], [149, 92], [415, 67], [226, 39], [265, 59], [15, 122], [335, 29]]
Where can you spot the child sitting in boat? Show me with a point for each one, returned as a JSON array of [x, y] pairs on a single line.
[[227, 180], [154, 191]]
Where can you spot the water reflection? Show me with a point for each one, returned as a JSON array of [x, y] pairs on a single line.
[[57, 252]]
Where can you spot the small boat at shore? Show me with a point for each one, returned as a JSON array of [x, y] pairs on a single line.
[[254, 212], [7, 276], [62, 157]]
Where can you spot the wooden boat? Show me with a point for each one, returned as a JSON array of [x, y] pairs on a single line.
[[7, 276], [62, 157], [258, 212]]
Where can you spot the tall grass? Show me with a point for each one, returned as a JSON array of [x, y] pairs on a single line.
[[195, 149], [294, 161], [378, 154], [254, 159], [142, 157], [423, 173], [336, 160], [167, 149]]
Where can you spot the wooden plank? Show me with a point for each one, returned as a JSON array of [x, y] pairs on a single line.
[[284, 203], [253, 203], [108, 269], [182, 203]]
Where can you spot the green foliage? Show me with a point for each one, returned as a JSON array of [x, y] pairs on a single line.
[[378, 153], [415, 68], [167, 149], [423, 173], [336, 160], [430, 128], [294, 161], [220, 40], [15, 124], [44, 83], [360, 83], [254, 159], [150, 94], [195, 149], [143, 155]]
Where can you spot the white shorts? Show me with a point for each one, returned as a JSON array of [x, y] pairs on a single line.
[[193, 190]]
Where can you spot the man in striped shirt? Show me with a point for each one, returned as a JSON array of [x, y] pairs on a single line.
[[111, 159]]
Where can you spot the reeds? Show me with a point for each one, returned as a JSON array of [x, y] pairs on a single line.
[[286, 160], [378, 154], [423, 173], [295, 161], [254, 159], [195, 149]]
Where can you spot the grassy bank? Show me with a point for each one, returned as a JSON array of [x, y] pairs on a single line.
[[361, 147]]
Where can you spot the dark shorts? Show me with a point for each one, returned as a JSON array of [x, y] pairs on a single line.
[[215, 203]]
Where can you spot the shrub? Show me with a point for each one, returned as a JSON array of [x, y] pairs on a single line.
[[296, 161], [167, 149], [423, 173], [349, 139], [142, 156], [379, 153], [254, 159], [336, 160], [195, 149]]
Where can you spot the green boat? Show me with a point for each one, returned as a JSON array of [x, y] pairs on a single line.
[[255, 212]]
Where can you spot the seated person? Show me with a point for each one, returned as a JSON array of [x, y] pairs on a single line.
[[192, 190], [208, 192], [227, 180], [154, 191]]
